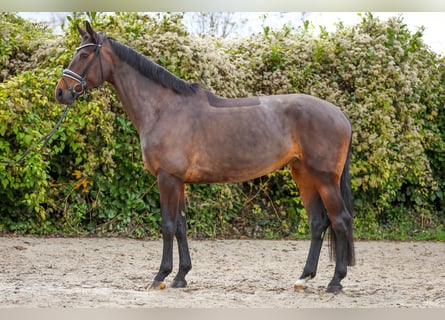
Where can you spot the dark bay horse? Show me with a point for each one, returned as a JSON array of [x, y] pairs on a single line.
[[189, 135]]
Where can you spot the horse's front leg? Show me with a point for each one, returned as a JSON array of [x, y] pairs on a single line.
[[171, 191], [185, 264]]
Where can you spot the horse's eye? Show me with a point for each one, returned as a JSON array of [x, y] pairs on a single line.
[[83, 55]]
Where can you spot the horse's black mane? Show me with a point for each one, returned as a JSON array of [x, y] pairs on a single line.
[[152, 70]]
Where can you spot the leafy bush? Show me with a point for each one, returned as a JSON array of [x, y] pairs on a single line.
[[91, 178], [20, 40]]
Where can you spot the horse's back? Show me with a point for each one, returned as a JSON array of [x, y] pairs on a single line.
[[219, 102], [304, 105]]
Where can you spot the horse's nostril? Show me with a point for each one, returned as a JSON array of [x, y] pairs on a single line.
[[59, 92]]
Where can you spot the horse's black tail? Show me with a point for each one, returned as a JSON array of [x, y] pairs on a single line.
[[346, 192]]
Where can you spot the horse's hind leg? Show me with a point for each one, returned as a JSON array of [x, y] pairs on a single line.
[[341, 221], [318, 221]]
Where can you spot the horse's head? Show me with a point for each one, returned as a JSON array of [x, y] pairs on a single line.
[[88, 68]]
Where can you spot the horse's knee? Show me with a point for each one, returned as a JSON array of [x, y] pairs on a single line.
[[168, 229]]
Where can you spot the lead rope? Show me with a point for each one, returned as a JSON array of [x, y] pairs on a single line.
[[44, 139]]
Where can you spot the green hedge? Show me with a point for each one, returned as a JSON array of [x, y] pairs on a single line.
[[90, 179]]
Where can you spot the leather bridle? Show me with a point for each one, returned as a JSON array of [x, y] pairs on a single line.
[[81, 86]]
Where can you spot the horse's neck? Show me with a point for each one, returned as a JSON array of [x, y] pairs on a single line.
[[139, 96]]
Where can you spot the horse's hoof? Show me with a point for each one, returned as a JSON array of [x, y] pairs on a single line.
[[157, 285], [300, 284], [334, 289], [179, 283]]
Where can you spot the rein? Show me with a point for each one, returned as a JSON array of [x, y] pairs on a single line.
[[44, 139]]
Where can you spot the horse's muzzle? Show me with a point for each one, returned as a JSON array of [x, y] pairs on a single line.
[[65, 96]]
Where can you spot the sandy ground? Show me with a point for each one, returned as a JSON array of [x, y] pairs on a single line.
[[91, 272]]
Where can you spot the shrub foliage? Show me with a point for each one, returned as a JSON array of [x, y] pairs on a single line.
[[90, 179]]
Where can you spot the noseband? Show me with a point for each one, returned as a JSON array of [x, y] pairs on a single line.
[[81, 86]]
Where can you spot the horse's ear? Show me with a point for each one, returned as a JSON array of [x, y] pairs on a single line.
[[91, 32], [82, 32]]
